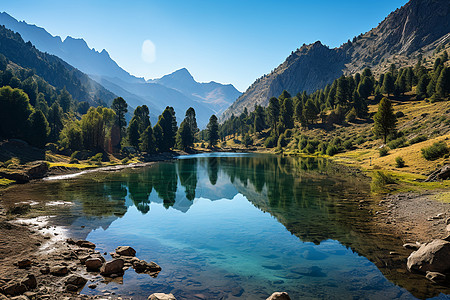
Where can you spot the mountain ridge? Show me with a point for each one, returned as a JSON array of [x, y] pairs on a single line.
[[418, 26]]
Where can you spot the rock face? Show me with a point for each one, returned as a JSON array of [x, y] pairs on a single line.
[[416, 26], [442, 173], [125, 251], [114, 266], [161, 296], [432, 257], [279, 296]]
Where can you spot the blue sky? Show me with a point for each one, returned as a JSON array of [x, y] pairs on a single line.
[[233, 41]]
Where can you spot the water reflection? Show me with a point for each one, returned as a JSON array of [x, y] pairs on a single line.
[[314, 199]]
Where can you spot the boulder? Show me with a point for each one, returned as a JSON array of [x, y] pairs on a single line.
[[86, 244], [442, 173], [141, 266], [125, 251], [279, 296], [76, 280], [114, 266], [37, 169], [93, 264], [436, 277], [59, 270], [161, 296], [25, 263], [14, 288], [29, 281], [431, 257], [412, 246]]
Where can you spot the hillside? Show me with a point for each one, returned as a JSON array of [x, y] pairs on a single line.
[[178, 89], [416, 28], [52, 69]]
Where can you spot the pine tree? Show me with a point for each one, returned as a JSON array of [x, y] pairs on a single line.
[[421, 88], [287, 113], [119, 106], [212, 131], [65, 100], [309, 112], [147, 140], [443, 83], [384, 120], [388, 84], [184, 138], [39, 130], [273, 112], [133, 133], [159, 138], [55, 121]]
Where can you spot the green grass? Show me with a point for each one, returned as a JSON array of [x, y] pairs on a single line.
[[5, 182]]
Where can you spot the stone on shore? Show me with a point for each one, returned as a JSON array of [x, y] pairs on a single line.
[[114, 266], [161, 296], [59, 270], [279, 296], [432, 257], [14, 288], [93, 264], [25, 263], [125, 251], [29, 281], [76, 280], [86, 244]]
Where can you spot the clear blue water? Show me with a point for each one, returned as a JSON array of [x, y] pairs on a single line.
[[230, 226]]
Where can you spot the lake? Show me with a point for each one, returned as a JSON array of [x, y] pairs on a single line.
[[237, 226]]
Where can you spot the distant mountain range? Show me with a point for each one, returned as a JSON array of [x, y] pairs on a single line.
[[178, 89], [417, 27]]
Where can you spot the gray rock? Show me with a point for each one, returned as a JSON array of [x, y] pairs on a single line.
[[412, 246], [279, 296], [76, 280], [431, 257], [126, 251], [161, 296], [59, 270], [114, 266], [93, 264]]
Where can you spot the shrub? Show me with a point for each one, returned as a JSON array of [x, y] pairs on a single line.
[[322, 148], [399, 162], [303, 142], [74, 155], [379, 181], [125, 160], [360, 140], [74, 161], [397, 143], [347, 144], [383, 151], [247, 140], [399, 114], [435, 151], [417, 139], [332, 150], [202, 145], [351, 115], [270, 142], [310, 148]]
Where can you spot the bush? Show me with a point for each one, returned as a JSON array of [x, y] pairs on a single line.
[[399, 114], [383, 151], [247, 140], [270, 142], [360, 140], [322, 148], [310, 148], [417, 139], [332, 150], [399, 162], [74, 161], [74, 155], [379, 181], [125, 160], [351, 115], [435, 151], [303, 142], [347, 144], [397, 143]]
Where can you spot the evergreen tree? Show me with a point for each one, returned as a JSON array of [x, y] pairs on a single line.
[[147, 140], [287, 113], [159, 138], [133, 133], [309, 112], [342, 91], [41, 104], [365, 87], [166, 122], [65, 100], [388, 84], [273, 112], [184, 138], [212, 131], [39, 129], [55, 114], [421, 88], [384, 120], [120, 107], [191, 121], [258, 122], [443, 83]]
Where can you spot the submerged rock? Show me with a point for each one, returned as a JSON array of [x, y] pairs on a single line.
[[161, 296], [125, 251], [114, 266], [279, 296], [141, 266], [433, 257]]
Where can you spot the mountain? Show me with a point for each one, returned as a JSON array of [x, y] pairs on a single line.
[[178, 89], [217, 96], [417, 27], [52, 69]]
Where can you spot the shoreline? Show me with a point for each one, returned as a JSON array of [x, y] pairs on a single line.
[[413, 217]]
